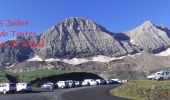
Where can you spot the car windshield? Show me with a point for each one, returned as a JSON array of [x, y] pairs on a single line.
[[12, 85], [66, 82], [49, 83], [28, 84], [159, 73], [21, 84]]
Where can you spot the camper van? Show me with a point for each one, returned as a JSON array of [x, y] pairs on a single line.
[[161, 75]]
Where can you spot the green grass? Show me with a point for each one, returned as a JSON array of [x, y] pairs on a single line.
[[28, 76], [144, 90], [3, 78]]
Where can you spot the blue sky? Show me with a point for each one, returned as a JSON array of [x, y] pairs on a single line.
[[114, 15]]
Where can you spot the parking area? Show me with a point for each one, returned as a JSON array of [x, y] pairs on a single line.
[[53, 90], [63, 94]]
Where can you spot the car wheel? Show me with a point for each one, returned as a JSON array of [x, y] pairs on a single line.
[[4, 91], [62, 87], [50, 88], [29, 91], [88, 84], [160, 79]]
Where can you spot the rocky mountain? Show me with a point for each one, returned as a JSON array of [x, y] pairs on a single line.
[[10, 54], [78, 44], [149, 37], [78, 37]]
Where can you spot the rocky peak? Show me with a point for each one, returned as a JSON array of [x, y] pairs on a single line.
[[149, 37], [80, 24], [147, 24], [146, 28], [80, 37]]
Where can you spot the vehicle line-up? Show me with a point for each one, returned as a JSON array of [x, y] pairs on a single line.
[[86, 82], [26, 87], [11, 87]]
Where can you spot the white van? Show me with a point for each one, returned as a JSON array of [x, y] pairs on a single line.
[[116, 80], [161, 75], [88, 82], [62, 84], [25, 87], [7, 87]]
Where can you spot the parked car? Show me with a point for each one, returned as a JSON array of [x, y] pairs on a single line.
[[152, 76], [124, 80], [7, 87], [85, 83], [62, 84], [116, 81], [88, 82], [111, 82], [108, 81], [24, 87], [101, 81], [70, 83], [161, 75], [49, 86], [77, 83]]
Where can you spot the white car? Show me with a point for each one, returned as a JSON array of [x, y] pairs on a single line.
[[154, 75], [88, 82], [24, 87], [77, 83], [62, 84], [85, 83], [7, 87], [49, 86], [161, 75], [116, 80]]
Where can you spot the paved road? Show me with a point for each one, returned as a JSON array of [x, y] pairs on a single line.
[[36, 95], [82, 93], [94, 93]]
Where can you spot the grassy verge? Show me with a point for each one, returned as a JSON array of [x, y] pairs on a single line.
[[3, 78], [28, 76], [144, 90]]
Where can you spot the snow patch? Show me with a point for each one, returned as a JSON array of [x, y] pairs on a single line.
[[101, 58], [11, 66], [76, 61], [52, 59], [132, 41], [164, 53], [134, 55], [35, 58], [73, 61]]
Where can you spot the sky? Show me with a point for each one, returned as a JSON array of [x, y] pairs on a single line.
[[115, 15]]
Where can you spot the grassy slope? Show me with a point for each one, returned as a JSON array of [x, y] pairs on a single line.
[[28, 76], [144, 90], [3, 78]]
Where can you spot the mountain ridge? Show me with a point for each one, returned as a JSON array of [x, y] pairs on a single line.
[[86, 46]]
